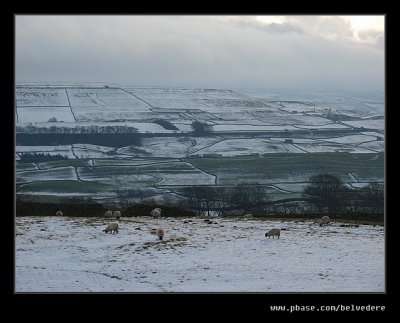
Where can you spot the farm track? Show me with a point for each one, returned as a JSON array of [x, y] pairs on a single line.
[[214, 116], [294, 145], [170, 191], [210, 145], [373, 150], [280, 189], [190, 117], [354, 177]]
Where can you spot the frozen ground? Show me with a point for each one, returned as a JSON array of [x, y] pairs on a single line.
[[73, 255]]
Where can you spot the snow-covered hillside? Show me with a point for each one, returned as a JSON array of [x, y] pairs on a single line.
[[66, 254], [154, 125]]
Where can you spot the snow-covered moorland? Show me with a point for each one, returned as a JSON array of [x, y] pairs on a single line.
[[67, 254]]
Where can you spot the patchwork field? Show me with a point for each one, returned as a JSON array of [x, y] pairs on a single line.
[[276, 140], [284, 175]]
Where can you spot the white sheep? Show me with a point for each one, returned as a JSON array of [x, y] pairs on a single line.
[[113, 227], [117, 214], [160, 233], [59, 213], [273, 232], [155, 213], [108, 214], [325, 220]]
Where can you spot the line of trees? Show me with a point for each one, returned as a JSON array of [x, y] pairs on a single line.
[[240, 199], [92, 129], [325, 193], [165, 124], [55, 139], [330, 195], [39, 157], [201, 128]]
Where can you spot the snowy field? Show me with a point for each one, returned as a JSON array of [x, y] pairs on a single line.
[[362, 103], [74, 255], [44, 114], [244, 125], [28, 97], [171, 147], [238, 147], [56, 174], [371, 124]]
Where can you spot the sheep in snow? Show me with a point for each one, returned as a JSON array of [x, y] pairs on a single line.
[[112, 227], [325, 220], [160, 233], [273, 232], [117, 214], [59, 213], [156, 212], [108, 214]]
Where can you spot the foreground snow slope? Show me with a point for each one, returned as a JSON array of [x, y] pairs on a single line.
[[74, 255]]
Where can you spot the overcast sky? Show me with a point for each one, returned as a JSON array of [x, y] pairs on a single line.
[[280, 52]]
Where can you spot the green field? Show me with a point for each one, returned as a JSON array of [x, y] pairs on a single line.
[[65, 187], [286, 173], [63, 163], [282, 168], [131, 161], [25, 166]]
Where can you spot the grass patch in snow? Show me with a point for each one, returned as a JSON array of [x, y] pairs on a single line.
[[65, 187], [136, 150]]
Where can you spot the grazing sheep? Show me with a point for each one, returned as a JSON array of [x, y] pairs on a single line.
[[117, 214], [108, 214], [113, 227], [324, 220], [155, 213], [160, 233], [273, 232], [248, 215], [59, 213]]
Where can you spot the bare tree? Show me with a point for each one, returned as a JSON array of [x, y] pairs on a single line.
[[201, 128], [241, 197], [222, 200], [258, 197], [194, 199], [326, 191], [374, 196]]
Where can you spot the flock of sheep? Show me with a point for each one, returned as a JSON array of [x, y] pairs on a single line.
[[113, 227], [156, 213]]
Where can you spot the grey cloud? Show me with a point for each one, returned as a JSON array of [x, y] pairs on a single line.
[[271, 27], [194, 52], [283, 28], [372, 36]]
